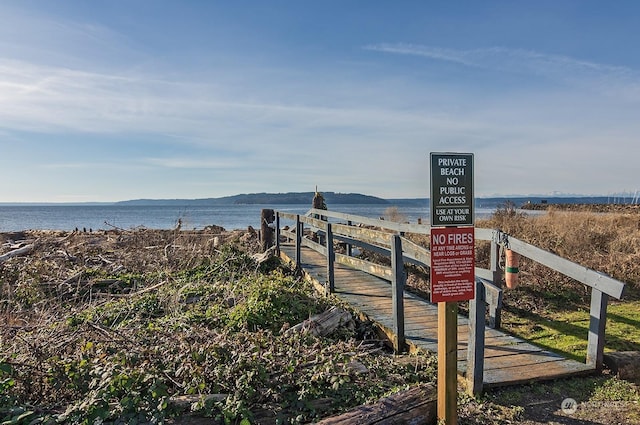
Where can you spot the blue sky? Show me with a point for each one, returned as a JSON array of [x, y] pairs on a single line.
[[114, 100]]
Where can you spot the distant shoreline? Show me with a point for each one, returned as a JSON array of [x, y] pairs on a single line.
[[599, 208]]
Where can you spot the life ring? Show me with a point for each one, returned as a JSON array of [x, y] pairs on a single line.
[[512, 260]]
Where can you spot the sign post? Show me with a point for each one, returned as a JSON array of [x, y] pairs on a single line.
[[452, 269]]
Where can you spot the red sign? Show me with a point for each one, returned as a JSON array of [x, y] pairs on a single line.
[[452, 264]]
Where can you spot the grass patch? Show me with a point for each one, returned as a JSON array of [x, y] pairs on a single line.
[[566, 332]]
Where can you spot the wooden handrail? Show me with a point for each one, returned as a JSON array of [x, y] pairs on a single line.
[[589, 277], [391, 225]]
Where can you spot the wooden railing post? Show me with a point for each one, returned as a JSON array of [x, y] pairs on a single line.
[[349, 246], [495, 312], [397, 293], [597, 324], [475, 349], [299, 230], [278, 234], [331, 258]]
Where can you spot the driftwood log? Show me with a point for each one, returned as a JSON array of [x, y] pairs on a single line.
[[185, 402], [16, 252], [325, 323], [261, 257], [417, 405], [625, 364]]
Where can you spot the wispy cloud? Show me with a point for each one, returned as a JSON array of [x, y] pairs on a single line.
[[194, 163], [616, 80], [504, 58], [32, 35], [50, 99]]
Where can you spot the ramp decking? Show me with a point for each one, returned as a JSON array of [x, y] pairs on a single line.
[[507, 360]]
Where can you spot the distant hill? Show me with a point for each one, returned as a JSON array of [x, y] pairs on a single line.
[[290, 198], [333, 198]]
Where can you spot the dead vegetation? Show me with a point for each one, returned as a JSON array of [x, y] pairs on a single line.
[[66, 268], [156, 326], [608, 243], [590, 208]]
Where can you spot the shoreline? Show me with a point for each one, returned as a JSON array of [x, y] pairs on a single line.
[[594, 208]]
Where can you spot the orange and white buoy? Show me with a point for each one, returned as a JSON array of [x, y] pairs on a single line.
[[512, 260]]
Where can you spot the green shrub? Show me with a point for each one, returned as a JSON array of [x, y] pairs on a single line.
[[269, 302]]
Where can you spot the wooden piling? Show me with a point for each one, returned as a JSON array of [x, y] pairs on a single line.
[[267, 231]]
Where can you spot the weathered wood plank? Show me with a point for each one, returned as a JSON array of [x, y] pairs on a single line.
[[369, 267], [533, 360], [288, 234], [527, 374], [497, 338], [416, 252], [321, 249], [363, 234], [287, 216], [496, 352], [428, 327], [314, 222], [391, 225]]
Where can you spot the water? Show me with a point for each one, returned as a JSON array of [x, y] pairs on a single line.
[[95, 217]]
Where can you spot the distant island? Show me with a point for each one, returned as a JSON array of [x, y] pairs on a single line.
[[289, 198], [333, 198]]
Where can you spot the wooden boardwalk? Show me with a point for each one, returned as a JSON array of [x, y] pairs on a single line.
[[507, 360]]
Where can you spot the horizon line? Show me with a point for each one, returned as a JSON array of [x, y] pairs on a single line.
[[629, 195]]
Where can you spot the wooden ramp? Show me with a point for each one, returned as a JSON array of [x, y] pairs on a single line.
[[507, 360]]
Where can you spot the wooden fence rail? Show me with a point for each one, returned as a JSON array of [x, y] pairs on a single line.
[[388, 238]]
